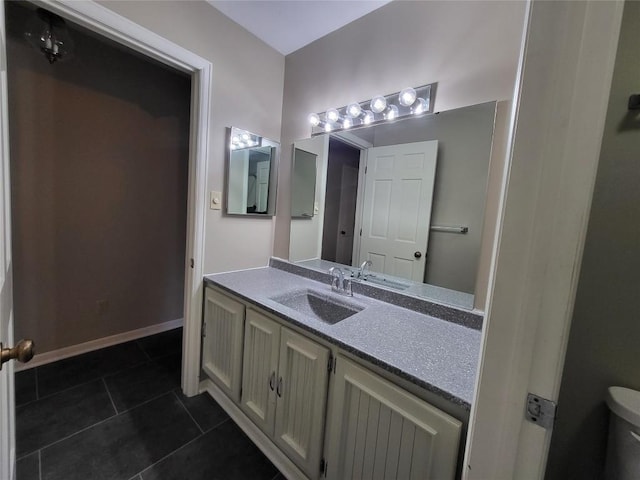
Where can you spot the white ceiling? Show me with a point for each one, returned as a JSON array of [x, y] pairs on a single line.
[[291, 24]]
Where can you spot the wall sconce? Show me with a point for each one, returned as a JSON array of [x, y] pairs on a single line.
[[381, 108], [47, 32], [244, 139]]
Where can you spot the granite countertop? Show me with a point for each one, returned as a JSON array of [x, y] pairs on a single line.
[[438, 355]]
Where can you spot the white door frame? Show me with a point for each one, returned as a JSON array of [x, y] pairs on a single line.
[[558, 117], [111, 25]]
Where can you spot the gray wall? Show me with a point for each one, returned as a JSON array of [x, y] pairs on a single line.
[[464, 153], [99, 155], [605, 333], [248, 76], [470, 48]]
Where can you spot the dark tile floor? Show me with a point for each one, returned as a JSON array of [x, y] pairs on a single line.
[[119, 414]]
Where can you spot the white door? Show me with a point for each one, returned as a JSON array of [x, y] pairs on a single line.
[[7, 404], [262, 185], [397, 208]]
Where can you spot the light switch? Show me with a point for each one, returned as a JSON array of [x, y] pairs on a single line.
[[215, 200]]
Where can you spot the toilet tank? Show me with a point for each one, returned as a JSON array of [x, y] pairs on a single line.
[[623, 446]]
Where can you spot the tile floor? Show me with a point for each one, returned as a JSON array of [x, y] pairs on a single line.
[[118, 414]]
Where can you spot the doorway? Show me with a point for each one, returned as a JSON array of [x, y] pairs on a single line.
[[99, 170]]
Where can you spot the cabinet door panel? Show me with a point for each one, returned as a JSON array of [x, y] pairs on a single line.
[[300, 409], [379, 431], [261, 344], [222, 343]]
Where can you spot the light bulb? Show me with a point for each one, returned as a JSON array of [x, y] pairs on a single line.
[[235, 140], [333, 115], [368, 117], [314, 119], [354, 110], [327, 127], [407, 97], [378, 104], [245, 137], [347, 123], [421, 106], [392, 113]]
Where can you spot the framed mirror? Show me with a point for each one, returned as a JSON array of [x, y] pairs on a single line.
[[303, 184], [435, 210], [252, 174]]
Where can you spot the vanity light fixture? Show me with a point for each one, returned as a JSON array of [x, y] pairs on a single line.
[[314, 119], [354, 110], [407, 96], [368, 117], [333, 115], [421, 106], [381, 108], [47, 32], [244, 139], [392, 113], [378, 104]]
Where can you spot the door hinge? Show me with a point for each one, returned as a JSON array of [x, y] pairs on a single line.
[[204, 329], [323, 466], [331, 364], [360, 232], [540, 411], [365, 169], [191, 262]]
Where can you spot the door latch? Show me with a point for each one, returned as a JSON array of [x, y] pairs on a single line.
[[540, 411]]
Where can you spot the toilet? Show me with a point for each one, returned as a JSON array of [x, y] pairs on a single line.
[[623, 447]]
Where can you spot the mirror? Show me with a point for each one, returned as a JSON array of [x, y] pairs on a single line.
[[251, 174], [303, 188], [354, 207]]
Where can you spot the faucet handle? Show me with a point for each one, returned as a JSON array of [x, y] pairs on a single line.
[[347, 287]]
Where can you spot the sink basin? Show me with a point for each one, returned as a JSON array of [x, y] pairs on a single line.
[[318, 305]]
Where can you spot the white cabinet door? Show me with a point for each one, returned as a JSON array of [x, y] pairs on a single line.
[[222, 343], [377, 431], [259, 371], [302, 393]]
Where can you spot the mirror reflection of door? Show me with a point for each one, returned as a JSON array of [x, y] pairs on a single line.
[[340, 202], [396, 211]]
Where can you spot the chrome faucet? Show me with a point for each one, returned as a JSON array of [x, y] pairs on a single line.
[[339, 283], [362, 272]]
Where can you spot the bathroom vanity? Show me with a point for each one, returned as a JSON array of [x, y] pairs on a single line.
[[335, 386]]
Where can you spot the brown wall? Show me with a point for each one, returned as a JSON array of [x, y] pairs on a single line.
[[99, 157]]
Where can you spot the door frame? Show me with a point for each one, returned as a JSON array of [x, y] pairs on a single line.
[[118, 28], [557, 121]]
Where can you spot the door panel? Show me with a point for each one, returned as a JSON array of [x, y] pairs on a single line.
[[7, 402], [378, 431], [222, 344], [397, 208], [259, 371], [300, 410]]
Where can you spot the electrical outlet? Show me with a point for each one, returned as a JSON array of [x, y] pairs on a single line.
[[215, 200]]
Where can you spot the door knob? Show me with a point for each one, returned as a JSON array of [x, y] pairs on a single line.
[[417, 254], [23, 352]]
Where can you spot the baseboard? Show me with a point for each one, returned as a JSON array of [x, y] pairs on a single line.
[[66, 352], [257, 436]]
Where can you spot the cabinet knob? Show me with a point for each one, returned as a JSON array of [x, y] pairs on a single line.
[[272, 380]]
